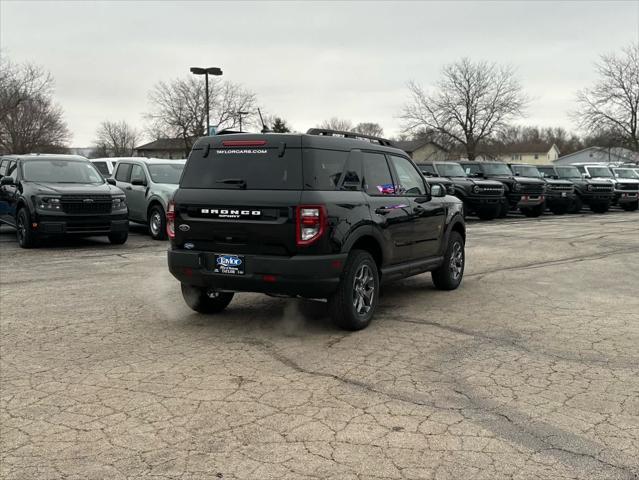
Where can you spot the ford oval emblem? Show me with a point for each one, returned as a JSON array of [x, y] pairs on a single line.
[[184, 227]]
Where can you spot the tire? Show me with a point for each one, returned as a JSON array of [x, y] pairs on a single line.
[[533, 212], [488, 214], [157, 222], [203, 300], [449, 275], [353, 305], [559, 210], [26, 237], [118, 238], [577, 205], [599, 207], [630, 207], [505, 208]]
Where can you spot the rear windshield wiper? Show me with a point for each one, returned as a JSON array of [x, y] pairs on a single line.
[[240, 182]]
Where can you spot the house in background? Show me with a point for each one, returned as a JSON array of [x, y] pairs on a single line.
[[534, 153], [423, 150], [171, 148], [600, 154]]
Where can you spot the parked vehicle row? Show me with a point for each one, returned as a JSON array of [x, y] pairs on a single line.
[[533, 189]]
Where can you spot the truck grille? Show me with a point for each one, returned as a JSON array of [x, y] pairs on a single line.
[[628, 187], [491, 190], [86, 204], [561, 188], [602, 188], [532, 189]]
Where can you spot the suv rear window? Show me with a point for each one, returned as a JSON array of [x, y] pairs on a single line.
[[253, 169]]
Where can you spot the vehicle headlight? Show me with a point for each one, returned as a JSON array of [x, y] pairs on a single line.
[[589, 187], [119, 203], [476, 189], [49, 203], [517, 187]]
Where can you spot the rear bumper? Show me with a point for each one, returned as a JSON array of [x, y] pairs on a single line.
[[311, 276], [81, 225]]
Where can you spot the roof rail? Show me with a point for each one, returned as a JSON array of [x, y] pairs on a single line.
[[329, 133]]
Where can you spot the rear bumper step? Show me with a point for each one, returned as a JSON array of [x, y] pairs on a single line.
[[311, 276]]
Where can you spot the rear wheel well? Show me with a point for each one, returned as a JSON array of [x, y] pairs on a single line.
[[151, 205], [371, 245]]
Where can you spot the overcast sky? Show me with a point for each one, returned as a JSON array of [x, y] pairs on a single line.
[[308, 61]]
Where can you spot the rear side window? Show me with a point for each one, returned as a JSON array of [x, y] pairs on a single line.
[[377, 176], [251, 169], [3, 167], [102, 167], [124, 172], [323, 168]]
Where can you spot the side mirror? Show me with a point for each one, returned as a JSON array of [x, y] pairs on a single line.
[[585, 175], [517, 174], [7, 181], [437, 190], [139, 182], [111, 181]]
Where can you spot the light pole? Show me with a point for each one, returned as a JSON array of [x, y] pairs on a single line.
[[240, 114], [206, 72]]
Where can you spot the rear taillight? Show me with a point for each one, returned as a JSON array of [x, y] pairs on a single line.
[[170, 220], [310, 224]]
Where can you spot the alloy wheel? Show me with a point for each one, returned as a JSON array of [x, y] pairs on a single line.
[[457, 260], [156, 223], [363, 290]]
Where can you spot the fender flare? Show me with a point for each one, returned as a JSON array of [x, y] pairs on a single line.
[[366, 230]]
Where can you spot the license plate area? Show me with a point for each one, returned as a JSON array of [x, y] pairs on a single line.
[[228, 264]]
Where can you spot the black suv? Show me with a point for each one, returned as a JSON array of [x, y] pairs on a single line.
[[47, 195], [560, 194], [484, 198], [594, 193], [527, 194], [325, 215]]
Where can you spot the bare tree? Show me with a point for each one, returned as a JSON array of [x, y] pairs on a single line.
[[612, 104], [178, 108], [337, 124], [116, 139], [30, 121], [368, 128], [473, 101]]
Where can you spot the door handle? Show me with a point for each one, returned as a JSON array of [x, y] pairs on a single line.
[[419, 209], [129, 188], [382, 211]]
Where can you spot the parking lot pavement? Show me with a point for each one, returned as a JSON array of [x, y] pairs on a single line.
[[529, 370]]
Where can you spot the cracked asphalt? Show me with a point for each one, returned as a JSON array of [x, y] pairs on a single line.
[[529, 370]]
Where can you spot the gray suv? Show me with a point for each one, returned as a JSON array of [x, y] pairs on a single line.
[[149, 184]]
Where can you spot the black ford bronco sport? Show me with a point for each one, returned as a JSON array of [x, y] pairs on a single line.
[[484, 198], [560, 194], [50, 195], [524, 193], [325, 215], [597, 194]]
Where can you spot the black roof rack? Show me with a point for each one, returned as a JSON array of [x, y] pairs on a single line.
[[357, 136]]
